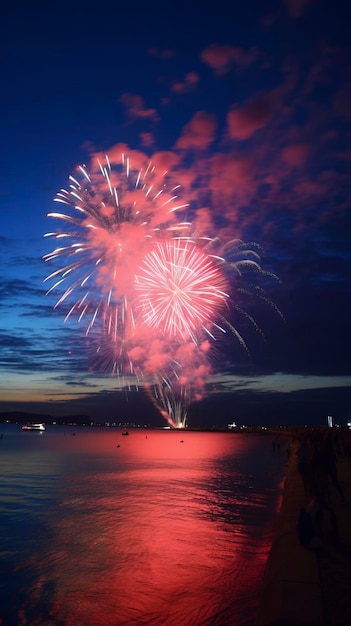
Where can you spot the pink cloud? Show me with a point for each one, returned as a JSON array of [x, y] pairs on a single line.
[[245, 121], [296, 8], [199, 133], [135, 109], [165, 160], [161, 54], [342, 103], [224, 180], [158, 356], [322, 69], [147, 139], [344, 156], [330, 135], [232, 170], [190, 80], [222, 58], [231, 183], [308, 188], [186, 177], [204, 223], [295, 155]]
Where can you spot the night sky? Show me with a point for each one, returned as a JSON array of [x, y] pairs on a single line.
[[249, 104]]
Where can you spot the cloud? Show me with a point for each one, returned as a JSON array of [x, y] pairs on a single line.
[[17, 287], [165, 160], [231, 176], [204, 222], [296, 8], [342, 103], [147, 139], [135, 109], [245, 121], [222, 58], [188, 84], [295, 155], [161, 54], [14, 341], [199, 133]]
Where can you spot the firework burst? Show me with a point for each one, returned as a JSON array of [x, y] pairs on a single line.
[[181, 290], [112, 216], [155, 298]]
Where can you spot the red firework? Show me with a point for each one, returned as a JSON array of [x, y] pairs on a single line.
[[181, 290]]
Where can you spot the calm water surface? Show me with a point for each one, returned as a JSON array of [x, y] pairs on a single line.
[[158, 528]]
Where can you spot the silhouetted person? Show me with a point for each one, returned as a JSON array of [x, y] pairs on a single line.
[[328, 459], [324, 519], [306, 531], [303, 454]]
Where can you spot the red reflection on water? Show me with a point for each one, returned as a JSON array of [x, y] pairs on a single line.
[[142, 537]]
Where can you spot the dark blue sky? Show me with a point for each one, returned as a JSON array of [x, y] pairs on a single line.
[[251, 102]]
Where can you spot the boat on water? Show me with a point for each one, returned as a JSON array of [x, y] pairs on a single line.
[[125, 432], [34, 426]]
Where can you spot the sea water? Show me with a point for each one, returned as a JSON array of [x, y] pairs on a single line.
[[161, 528]]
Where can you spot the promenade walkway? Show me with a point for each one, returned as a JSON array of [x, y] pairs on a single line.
[[299, 587]]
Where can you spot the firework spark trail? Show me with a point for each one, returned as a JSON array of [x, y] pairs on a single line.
[[181, 382], [173, 407]]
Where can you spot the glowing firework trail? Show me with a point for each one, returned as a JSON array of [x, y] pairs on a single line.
[[180, 371], [243, 272], [181, 290], [172, 403], [181, 382]]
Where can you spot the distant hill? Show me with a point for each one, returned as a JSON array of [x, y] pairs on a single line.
[[21, 417]]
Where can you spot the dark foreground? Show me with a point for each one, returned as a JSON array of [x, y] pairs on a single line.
[[303, 587]]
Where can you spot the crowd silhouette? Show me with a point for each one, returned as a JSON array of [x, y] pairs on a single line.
[[317, 453]]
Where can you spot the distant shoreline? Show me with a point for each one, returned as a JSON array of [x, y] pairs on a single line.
[[273, 431]]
